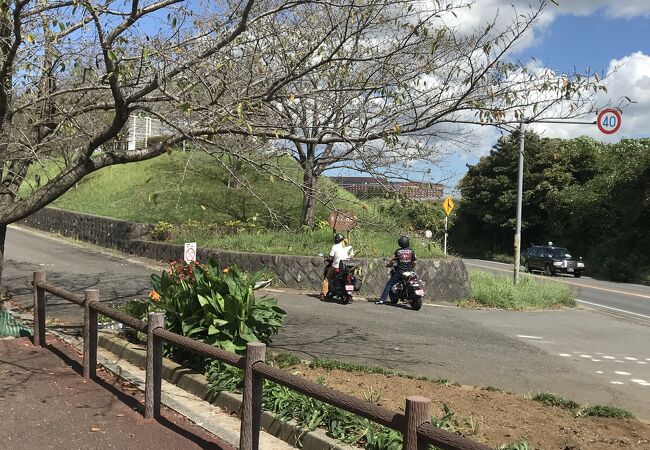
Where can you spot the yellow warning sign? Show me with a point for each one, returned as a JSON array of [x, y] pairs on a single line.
[[448, 205]]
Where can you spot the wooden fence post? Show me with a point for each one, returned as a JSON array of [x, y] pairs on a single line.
[[39, 310], [153, 383], [418, 411], [90, 333], [251, 408]]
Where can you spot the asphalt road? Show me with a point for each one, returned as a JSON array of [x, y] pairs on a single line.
[[583, 354]]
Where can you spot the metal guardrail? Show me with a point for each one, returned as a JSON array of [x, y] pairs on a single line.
[[414, 424]]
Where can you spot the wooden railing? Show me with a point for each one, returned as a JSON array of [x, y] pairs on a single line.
[[414, 424]]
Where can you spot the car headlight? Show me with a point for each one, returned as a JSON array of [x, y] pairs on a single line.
[[557, 263], [581, 264]]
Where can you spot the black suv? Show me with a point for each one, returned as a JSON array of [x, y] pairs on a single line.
[[551, 260]]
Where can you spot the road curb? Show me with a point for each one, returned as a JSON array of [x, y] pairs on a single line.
[[196, 383]]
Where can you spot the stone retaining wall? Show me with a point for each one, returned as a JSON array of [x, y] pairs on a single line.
[[445, 279], [102, 231]]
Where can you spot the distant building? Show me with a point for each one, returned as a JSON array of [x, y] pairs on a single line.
[[364, 187], [141, 128]]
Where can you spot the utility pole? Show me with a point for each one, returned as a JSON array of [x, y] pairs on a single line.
[[520, 188]]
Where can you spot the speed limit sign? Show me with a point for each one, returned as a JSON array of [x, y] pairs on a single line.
[[609, 121]]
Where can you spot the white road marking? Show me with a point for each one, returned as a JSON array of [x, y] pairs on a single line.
[[440, 306], [618, 360], [618, 372], [641, 362], [596, 360], [614, 309], [609, 357], [585, 356], [629, 358], [529, 337], [637, 380], [599, 371], [564, 354], [616, 382]]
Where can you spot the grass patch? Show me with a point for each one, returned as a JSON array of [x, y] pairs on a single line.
[[556, 400], [606, 411], [498, 291], [366, 243], [583, 411]]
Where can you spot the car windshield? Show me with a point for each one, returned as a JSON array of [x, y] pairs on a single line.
[[561, 253]]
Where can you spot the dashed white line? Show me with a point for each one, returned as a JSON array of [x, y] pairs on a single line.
[[638, 380], [529, 337], [619, 372], [609, 357], [596, 360], [629, 358], [585, 356], [616, 382], [564, 354], [599, 371]]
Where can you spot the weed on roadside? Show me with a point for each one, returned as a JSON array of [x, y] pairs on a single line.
[[583, 411], [605, 411], [497, 291], [555, 400]]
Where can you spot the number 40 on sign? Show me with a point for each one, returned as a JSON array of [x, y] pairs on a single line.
[[609, 121]]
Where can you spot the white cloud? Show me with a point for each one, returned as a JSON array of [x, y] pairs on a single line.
[[627, 77]]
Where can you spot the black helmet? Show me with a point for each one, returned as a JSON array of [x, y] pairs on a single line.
[[403, 241], [338, 237]]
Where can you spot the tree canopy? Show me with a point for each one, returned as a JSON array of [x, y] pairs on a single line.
[[582, 194]]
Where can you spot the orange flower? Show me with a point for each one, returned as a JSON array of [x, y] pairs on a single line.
[[226, 270], [155, 296]]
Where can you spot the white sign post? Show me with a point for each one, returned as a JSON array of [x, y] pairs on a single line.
[[189, 254]]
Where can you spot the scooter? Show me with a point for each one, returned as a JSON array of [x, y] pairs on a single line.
[[407, 290], [344, 284]]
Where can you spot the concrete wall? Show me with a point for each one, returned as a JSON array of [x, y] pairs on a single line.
[[445, 279]]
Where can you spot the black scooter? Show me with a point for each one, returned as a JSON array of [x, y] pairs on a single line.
[[344, 283], [408, 290]]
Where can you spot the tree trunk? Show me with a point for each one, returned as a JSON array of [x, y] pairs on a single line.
[[308, 199], [3, 234]]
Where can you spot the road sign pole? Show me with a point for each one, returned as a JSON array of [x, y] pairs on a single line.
[[445, 250], [520, 187]]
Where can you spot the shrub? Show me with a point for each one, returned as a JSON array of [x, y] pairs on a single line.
[[215, 306], [162, 231]]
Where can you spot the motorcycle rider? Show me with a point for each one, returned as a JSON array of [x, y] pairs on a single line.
[[338, 253], [405, 259]]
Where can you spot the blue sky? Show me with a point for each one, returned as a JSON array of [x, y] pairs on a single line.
[[590, 41]]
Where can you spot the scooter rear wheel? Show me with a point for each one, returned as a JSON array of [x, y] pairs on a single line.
[[347, 299], [416, 303], [393, 297]]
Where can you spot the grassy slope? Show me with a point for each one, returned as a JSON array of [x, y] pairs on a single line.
[[193, 186], [175, 188]]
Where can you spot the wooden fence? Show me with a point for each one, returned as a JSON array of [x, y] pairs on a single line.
[[414, 424]]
